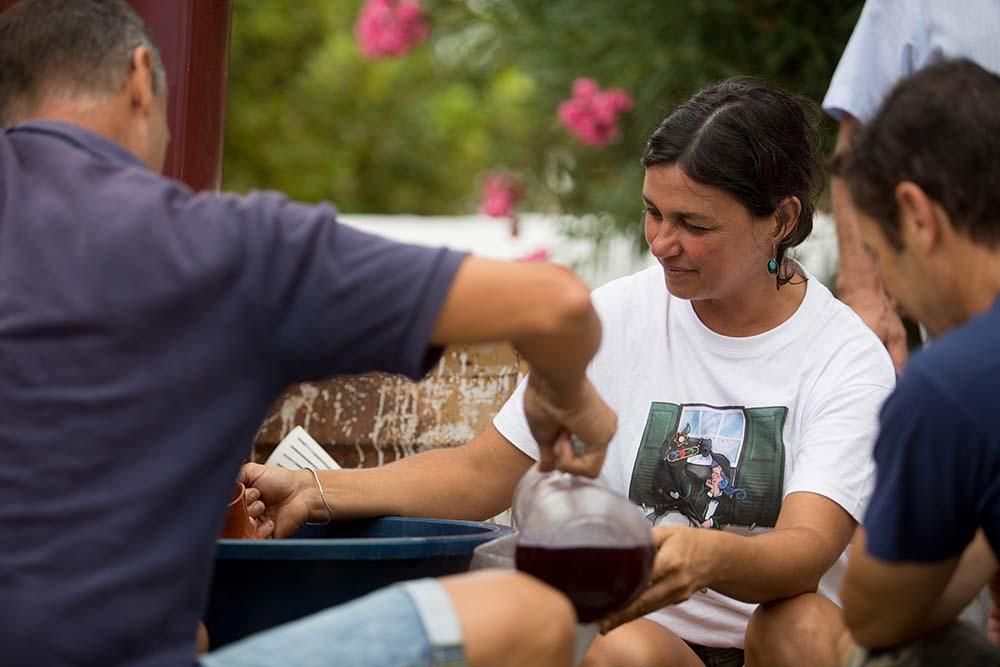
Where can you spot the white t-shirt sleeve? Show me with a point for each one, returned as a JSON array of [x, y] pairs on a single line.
[[886, 46], [513, 425], [834, 458]]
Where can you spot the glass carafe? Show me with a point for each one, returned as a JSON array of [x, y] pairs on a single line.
[[582, 539]]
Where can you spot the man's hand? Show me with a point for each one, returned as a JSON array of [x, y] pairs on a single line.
[[276, 497], [681, 569], [554, 420], [877, 311]]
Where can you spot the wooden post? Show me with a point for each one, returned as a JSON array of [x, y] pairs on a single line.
[[193, 38]]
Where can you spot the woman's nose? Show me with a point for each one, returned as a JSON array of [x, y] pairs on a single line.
[[666, 242]]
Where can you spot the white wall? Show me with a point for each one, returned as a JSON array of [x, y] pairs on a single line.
[[490, 237]]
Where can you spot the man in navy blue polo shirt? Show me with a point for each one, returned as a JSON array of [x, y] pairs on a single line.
[[146, 329], [923, 175]]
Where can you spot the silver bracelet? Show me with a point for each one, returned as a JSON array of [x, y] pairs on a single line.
[[329, 510]]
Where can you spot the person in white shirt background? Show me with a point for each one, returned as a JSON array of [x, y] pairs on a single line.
[[892, 40]]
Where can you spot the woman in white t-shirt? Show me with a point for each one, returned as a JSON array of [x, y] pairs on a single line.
[[747, 400]]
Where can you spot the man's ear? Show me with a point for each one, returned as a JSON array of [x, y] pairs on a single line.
[[920, 226], [140, 81]]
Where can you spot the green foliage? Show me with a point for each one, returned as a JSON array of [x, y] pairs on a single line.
[[310, 116]]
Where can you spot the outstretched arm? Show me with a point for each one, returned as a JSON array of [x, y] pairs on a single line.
[[475, 481], [545, 310]]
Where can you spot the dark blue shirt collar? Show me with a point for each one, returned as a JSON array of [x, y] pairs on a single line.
[[82, 138]]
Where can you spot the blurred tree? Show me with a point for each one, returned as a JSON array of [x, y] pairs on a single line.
[[310, 116]]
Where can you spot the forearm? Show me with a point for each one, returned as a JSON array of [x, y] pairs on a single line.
[[474, 481], [771, 566], [544, 309], [975, 569], [890, 603], [558, 356], [857, 270]]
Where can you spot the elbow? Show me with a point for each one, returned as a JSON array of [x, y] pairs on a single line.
[[572, 310], [857, 624], [870, 633], [869, 628], [558, 326], [849, 126]]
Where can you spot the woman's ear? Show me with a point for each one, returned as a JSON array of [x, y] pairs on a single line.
[[786, 217]]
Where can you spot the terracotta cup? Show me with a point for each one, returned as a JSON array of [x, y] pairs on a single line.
[[239, 524]]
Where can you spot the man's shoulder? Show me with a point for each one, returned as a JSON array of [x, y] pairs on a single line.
[[949, 389], [964, 362]]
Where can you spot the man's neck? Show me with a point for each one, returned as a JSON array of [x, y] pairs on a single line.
[[977, 277], [94, 115]]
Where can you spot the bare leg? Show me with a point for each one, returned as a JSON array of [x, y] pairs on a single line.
[[641, 643], [807, 629], [509, 618]]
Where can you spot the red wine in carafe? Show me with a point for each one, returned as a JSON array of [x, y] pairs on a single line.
[[597, 580]]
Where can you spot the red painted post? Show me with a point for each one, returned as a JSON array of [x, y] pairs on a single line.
[[193, 38]]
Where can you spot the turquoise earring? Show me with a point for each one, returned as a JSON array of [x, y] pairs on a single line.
[[772, 266]]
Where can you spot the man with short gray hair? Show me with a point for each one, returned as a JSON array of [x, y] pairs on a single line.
[[144, 332]]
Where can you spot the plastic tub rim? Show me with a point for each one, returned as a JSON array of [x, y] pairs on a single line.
[[366, 548]]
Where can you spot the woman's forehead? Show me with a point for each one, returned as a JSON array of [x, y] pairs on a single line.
[[667, 187]]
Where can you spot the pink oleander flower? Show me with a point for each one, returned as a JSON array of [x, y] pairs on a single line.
[[501, 192], [540, 255], [591, 114], [390, 28]]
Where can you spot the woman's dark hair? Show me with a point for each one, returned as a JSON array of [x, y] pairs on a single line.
[[939, 129], [752, 140], [67, 47]]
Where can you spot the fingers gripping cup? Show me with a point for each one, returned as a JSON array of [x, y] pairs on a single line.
[[582, 539], [239, 525]]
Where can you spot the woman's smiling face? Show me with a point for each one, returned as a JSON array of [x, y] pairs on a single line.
[[706, 241]]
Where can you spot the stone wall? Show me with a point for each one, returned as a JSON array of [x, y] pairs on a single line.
[[368, 420]]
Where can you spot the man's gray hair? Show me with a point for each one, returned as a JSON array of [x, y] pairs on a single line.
[[68, 48]]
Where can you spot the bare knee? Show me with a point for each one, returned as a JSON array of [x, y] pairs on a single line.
[[603, 652], [545, 621], [611, 651], [640, 643], [509, 618], [806, 629]]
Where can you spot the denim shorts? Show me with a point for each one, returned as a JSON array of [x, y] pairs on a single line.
[[408, 625]]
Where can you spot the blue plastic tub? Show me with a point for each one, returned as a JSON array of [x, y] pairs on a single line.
[[263, 583]]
